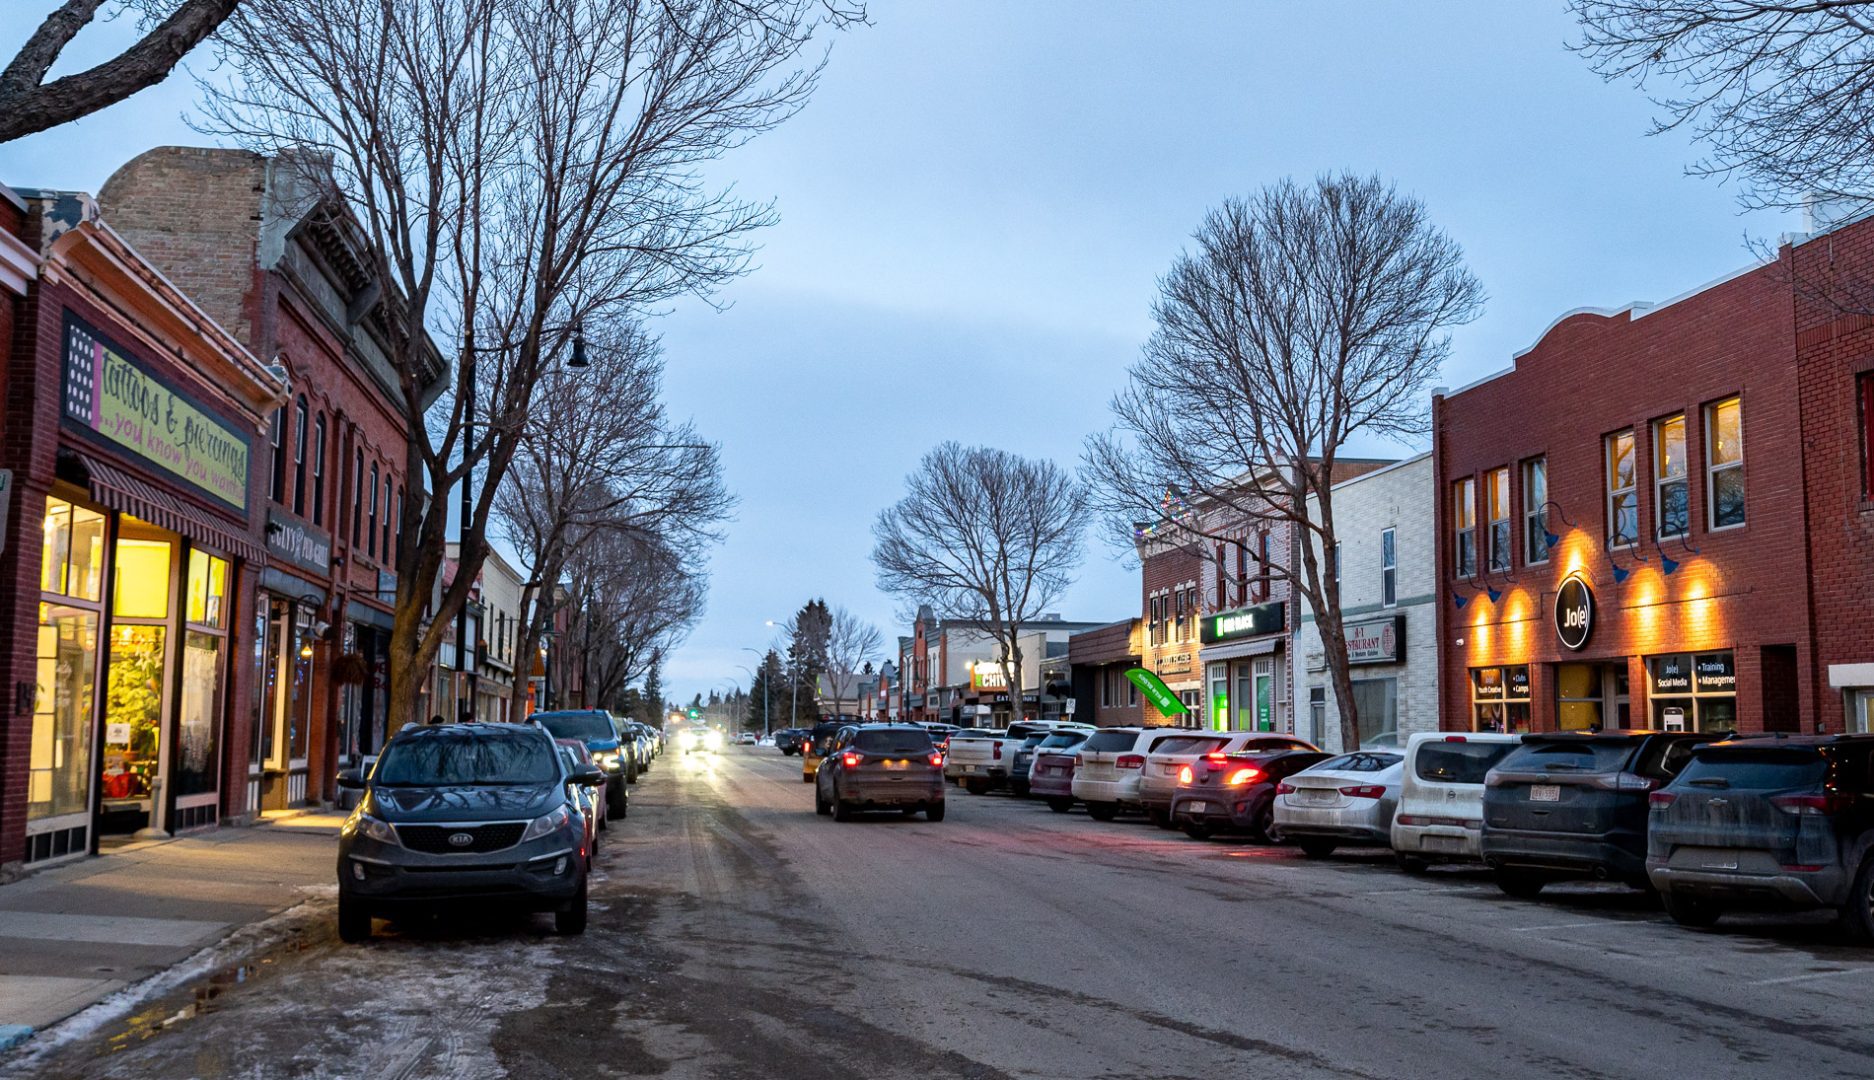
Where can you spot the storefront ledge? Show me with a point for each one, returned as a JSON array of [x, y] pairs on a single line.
[[239, 821], [12, 1035]]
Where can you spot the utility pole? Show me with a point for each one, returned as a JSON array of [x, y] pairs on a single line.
[[465, 702]]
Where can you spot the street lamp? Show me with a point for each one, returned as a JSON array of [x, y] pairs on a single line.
[[793, 683]]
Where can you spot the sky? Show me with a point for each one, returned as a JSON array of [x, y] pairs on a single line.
[[976, 205]]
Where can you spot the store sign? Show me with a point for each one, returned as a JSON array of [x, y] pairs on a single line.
[[299, 543], [1175, 664], [1378, 641], [1245, 622], [1716, 673], [1574, 612], [985, 675], [1156, 692], [1671, 674], [117, 398]]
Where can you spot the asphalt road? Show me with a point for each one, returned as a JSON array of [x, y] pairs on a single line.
[[741, 935]]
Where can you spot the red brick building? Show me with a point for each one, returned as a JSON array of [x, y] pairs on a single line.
[[255, 241], [132, 427], [1621, 521], [1098, 660]]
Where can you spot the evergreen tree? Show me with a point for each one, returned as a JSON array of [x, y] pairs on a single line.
[[651, 702]]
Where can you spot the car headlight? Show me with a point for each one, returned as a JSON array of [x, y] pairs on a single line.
[[374, 828], [546, 824], [713, 740], [607, 761]]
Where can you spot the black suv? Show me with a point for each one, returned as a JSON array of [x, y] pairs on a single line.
[[482, 813], [1572, 804], [1773, 822]]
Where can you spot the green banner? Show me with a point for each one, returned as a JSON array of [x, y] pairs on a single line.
[[1156, 692]]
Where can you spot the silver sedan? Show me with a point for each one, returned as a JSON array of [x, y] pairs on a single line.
[[1344, 801]]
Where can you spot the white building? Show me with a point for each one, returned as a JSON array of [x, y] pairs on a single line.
[[1384, 522]]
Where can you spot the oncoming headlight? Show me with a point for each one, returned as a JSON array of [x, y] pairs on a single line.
[[713, 741]]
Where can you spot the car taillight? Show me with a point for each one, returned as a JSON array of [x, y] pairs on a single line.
[[1079, 760], [1184, 775], [1364, 791], [1659, 800], [1244, 776], [937, 761], [1216, 757], [1626, 781], [1809, 804], [1456, 738], [1285, 788], [1130, 761], [850, 759], [995, 750]]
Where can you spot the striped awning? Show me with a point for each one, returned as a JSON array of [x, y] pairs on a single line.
[[124, 493]]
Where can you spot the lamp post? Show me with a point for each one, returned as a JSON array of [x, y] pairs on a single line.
[[793, 683]]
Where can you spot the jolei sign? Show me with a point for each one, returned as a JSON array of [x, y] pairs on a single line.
[[114, 396], [1574, 612]]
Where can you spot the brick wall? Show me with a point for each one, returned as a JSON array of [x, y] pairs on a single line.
[[1167, 569]]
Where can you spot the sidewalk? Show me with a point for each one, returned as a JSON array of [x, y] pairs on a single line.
[[72, 935]]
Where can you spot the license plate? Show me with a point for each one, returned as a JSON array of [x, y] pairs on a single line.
[[1545, 793], [969, 768], [1447, 844], [1197, 807], [896, 766], [1719, 863], [1317, 796]]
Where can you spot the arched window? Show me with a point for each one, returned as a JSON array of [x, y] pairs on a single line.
[[277, 490], [357, 499], [318, 470], [370, 522], [299, 456]]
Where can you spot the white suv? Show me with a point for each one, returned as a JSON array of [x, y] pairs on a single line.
[[1112, 763], [1441, 799], [1159, 779]]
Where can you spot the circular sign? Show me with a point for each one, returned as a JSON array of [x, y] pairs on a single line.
[[1574, 612]]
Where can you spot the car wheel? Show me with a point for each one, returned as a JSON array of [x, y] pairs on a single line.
[[842, 810], [1857, 915], [354, 921], [1102, 811], [1411, 864], [1690, 910], [1019, 788], [631, 775], [1197, 830], [1521, 885], [1060, 806], [617, 803], [976, 787], [935, 811], [1318, 849], [595, 849], [820, 805], [1264, 829], [571, 919]]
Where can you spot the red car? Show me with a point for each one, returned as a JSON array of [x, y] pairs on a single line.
[[1051, 773], [591, 800]]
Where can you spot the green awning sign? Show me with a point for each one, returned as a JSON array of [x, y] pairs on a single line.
[[1156, 692]]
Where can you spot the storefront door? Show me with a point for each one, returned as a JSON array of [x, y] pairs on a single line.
[[1592, 697], [60, 771], [138, 680], [1263, 674], [284, 733]]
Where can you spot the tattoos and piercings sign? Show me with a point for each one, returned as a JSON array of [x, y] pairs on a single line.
[[115, 396]]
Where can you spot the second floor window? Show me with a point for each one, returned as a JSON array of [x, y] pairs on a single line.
[[1262, 566], [1724, 463], [1497, 491], [384, 546], [1333, 564], [299, 457], [1389, 568], [1536, 511], [370, 521], [278, 489], [357, 500], [1464, 527], [318, 470], [1670, 494], [1864, 390], [1242, 571], [1623, 499]]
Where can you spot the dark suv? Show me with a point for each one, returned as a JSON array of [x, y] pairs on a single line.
[[1573, 805], [1778, 822], [476, 813], [881, 767]]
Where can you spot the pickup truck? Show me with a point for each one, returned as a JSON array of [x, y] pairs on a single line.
[[982, 760]]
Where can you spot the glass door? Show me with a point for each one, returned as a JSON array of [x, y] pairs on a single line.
[[137, 681], [1263, 673]]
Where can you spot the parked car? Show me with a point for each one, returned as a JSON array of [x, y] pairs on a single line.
[[940, 734], [970, 754], [636, 742], [1441, 797], [1111, 764], [1779, 823], [1572, 804], [1235, 793], [881, 767], [590, 803], [994, 761], [1051, 774], [594, 728], [474, 814], [1023, 767], [1159, 780], [817, 744], [788, 740], [1345, 801]]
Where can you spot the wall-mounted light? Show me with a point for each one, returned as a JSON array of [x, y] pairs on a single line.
[[305, 651], [1549, 534], [1622, 573]]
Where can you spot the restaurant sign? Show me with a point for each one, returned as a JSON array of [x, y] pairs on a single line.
[[1245, 622], [117, 398], [299, 543], [1377, 641]]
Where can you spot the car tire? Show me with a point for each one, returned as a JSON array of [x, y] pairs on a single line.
[[1520, 884], [354, 921], [1197, 830], [1060, 805], [1102, 811], [1691, 911], [1857, 915], [1317, 849], [1019, 788], [570, 920], [1411, 864], [820, 805], [1264, 832], [976, 787], [935, 811], [617, 803], [631, 775], [842, 810]]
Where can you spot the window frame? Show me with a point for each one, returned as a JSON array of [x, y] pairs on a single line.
[[1712, 470], [277, 482], [370, 524], [1611, 495], [1535, 511], [300, 417], [1662, 481], [1864, 386], [1500, 553], [1464, 526], [357, 500], [1389, 567], [318, 469]]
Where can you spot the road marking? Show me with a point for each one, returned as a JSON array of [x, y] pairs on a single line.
[[1812, 975], [1576, 926]]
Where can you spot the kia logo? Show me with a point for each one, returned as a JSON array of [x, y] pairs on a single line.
[[1574, 612], [461, 839]]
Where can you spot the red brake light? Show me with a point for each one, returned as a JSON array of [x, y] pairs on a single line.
[[1364, 791], [1659, 800], [1244, 776], [1285, 788], [1456, 738], [1809, 804], [851, 760], [996, 749], [1130, 761], [937, 761], [1216, 757], [1184, 775]]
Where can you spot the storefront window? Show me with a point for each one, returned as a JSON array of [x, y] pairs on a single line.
[[133, 712], [57, 780], [196, 729], [208, 589], [1219, 697], [1693, 691], [1500, 699], [72, 557], [1623, 502], [141, 579], [1376, 710]]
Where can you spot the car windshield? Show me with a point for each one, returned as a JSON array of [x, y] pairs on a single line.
[[577, 725], [1459, 762], [1190, 744], [1363, 761], [1574, 755], [1767, 769], [1107, 742], [457, 759], [1061, 740], [892, 742]]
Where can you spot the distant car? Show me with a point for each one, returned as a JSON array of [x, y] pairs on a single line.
[[476, 815], [1025, 752], [1572, 804], [1051, 774], [1441, 796], [594, 728], [1344, 801], [591, 804], [789, 740], [1159, 779], [745, 738], [1783, 823], [1235, 793], [880, 767], [815, 747], [969, 755], [1111, 764]]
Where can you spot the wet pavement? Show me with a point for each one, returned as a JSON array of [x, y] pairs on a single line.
[[737, 934]]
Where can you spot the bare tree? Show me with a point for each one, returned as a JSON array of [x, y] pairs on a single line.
[[29, 104], [635, 599], [982, 536], [1308, 316], [599, 455], [852, 644], [521, 167]]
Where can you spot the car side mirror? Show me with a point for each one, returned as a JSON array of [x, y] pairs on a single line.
[[588, 775], [351, 780]]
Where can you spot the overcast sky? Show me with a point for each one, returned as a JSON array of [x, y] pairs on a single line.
[[976, 205]]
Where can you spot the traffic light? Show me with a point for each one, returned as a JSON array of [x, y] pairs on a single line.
[[695, 713]]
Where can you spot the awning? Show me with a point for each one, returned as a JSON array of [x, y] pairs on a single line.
[[1237, 650], [126, 494]]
